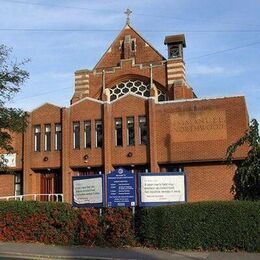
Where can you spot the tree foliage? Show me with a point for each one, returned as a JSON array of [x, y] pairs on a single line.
[[12, 77], [246, 185]]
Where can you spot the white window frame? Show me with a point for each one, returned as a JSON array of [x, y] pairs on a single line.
[[74, 134], [37, 134], [57, 130], [87, 122], [127, 131], [98, 122], [47, 129], [139, 127]]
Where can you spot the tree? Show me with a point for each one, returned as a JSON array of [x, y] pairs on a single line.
[[246, 181], [12, 120]]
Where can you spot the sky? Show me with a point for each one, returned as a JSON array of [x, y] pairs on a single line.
[[61, 36]]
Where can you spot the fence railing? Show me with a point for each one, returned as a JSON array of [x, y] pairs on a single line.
[[58, 197]]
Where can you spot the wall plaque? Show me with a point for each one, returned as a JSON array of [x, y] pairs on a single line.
[[204, 125]]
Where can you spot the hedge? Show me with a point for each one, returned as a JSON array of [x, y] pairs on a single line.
[[59, 223], [233, 225], [37, 222]]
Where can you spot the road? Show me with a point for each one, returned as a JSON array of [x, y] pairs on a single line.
[[40, 251]]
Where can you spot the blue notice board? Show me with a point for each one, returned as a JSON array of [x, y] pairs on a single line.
[[88, 191], [121, 189]]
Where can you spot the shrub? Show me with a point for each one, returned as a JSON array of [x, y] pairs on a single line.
[[118, 227], [89, 227], [51, 223], [230, 225]]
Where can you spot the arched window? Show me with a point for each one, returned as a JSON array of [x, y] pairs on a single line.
[[134, 86]]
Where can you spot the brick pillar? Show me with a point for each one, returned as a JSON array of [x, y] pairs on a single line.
[[107, 119], [176, 79], [175, 70], [81, 85], [65, 155], [29, 177], [152, 137]]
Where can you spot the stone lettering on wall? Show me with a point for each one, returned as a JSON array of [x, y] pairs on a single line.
[[204, 125]]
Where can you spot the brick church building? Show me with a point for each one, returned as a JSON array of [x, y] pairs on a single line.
[[134, 110]]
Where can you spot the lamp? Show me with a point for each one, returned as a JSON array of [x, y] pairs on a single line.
[[129, 154], [85, 158]]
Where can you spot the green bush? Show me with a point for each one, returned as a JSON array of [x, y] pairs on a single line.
[[232, 225]]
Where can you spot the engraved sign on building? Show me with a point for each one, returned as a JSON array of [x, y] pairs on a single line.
[[204, 125]]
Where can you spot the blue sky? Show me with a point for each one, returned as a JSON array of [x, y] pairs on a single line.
[[222, 55]]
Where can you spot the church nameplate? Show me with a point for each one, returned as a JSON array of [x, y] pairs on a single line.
[[204, 125]]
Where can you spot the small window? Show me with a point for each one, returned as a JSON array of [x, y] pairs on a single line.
[[18, 184], [37, 138], [47, 137], [57, 137], [130, 131], [143, 135], [133, 45], [99, 133], [87, 134], [76, 135], [118, 132]]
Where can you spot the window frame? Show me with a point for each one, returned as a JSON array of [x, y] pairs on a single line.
[[120, 121], [140, 130], [37, 138], [87, 123], [58, 133], [133, 44], [18, 183], [127, 131], [97, 123], [47, 137], [76, 135]]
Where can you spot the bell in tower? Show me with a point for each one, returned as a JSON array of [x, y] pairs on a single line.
[[175, 44]]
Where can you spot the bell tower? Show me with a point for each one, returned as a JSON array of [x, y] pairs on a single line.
[[175, 44], [176, 78]]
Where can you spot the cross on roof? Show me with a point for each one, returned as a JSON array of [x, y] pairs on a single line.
[[128, 12]]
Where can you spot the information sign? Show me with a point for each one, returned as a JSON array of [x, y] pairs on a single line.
[[161, 188], [88, 191], [121, 190], [9, 160]]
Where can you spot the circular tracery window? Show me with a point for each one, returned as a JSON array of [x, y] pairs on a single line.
[[134, 86]]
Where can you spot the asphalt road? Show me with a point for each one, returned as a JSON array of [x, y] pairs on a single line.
[[40, 251]]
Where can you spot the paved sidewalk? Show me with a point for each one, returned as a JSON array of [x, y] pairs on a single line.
[[40, 251]]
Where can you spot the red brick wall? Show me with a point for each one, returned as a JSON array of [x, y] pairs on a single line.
[[85, 110], [209, 182], [6, 185], [46, 114], [211, 145], [123, 108]]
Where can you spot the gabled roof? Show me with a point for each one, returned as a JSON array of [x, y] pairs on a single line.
[[44, 104], [126, 27]]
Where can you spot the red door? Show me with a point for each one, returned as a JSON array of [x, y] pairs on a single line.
[[47, 186]]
